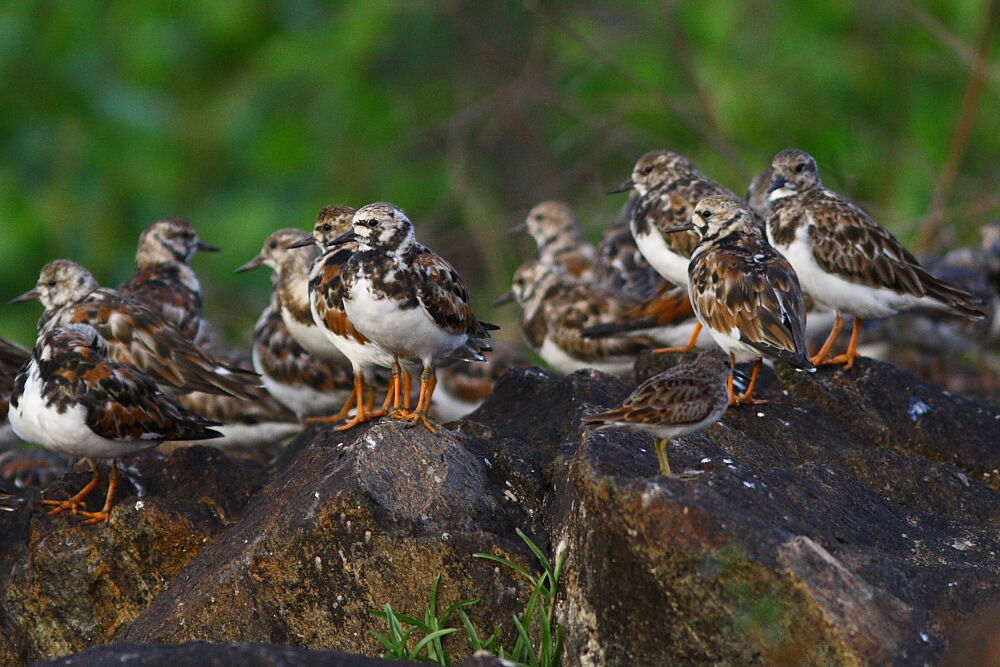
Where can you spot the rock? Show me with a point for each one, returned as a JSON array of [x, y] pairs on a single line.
[[66, 586], [205, 654], [852, 520], [816, 529]]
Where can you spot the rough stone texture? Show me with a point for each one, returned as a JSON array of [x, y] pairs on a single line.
[[853, 520], [797, 534], [65, 586]]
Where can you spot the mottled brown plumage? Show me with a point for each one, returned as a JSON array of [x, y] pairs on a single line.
[[12, 358], [135, 334], [163, 280], [557, 232], [687, 398]]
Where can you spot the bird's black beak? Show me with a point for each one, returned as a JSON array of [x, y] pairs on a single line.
[[31, 295], [778, 182], [252, 264], [346, 237], [506, 297], [518, 229], [683, 227], [627, 185], [207, 247], [304, 242]]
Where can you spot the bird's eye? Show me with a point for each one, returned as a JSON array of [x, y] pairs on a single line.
[[52, 283], [706, 214], [800, 167], [272, 244], [373, 222], [648, 169], [539, 217], [327, 227]]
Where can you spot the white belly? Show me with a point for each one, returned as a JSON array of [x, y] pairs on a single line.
[[66, 432], [301, 399], [364, 357], [559, 360], [407, 333], [665, 261], [311, 338], [838, 294]]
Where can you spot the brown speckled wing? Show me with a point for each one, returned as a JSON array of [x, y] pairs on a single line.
[[575, 307], [287, 362], [750, 287], [12, 358], [443, 295], [160, 288], [140, 337]]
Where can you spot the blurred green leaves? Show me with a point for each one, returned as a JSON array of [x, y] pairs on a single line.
[[251, 116]]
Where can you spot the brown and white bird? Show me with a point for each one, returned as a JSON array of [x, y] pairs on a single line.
[[846, 261], [560, 241], [685, 399], [135, 334], [555, 310], [163, 279], [309, 385], [744, 291], [407, 299], [72, 399], [669, 185], [327, 304]]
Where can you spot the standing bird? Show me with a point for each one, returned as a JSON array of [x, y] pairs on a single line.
[[135, 334], [846, 261], [669, 185], [72, 399], [163, 280], [406, 299], [556, 231], [327, 308], [687, 398], [743, 290], [307, 384]]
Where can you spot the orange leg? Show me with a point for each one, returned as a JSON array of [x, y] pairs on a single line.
[[98, 517], [746, 398], [355, 399], [687, 348], [852, 348], [361, 415], [76, 500], [392, 395], [729, 382], [407, 391], [369, 397], [428, 381], [824, 351]]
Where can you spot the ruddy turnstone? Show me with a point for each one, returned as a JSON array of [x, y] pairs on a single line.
[[687, 398], [757, 195], [669, 186], [72, 399], [555, 309], [135, 334], [622, 267], [12, 358], [163, 280], [407, 299], [326, 300], [743, 290], [308, 384], [846, 261], [667, 318], [556, 231]]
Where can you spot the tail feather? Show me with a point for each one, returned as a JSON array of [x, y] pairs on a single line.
[[954, 299]]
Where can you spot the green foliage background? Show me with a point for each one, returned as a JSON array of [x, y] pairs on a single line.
[[249, 116]]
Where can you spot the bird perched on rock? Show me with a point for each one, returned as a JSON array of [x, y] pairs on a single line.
[[135, 335], [407, 299], [847, 261], [687, 398], [669, 185], [555, 310], [327, 289], [307, 384], [163, 280], [743, 290], [556, 231], [72, 399]]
